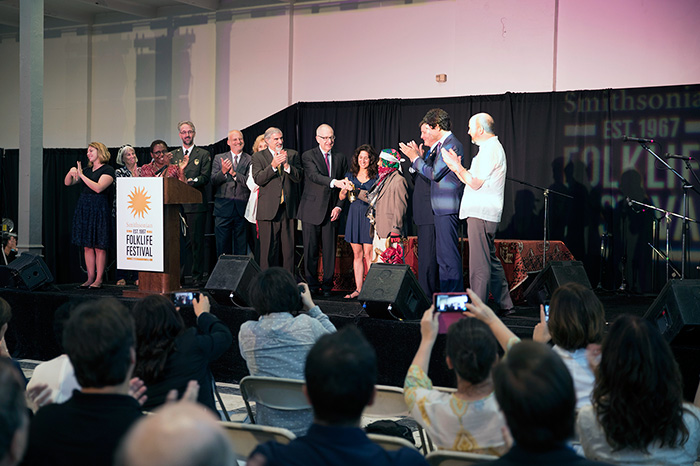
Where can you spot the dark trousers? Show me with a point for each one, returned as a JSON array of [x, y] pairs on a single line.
[[231, 234], [427, 260], [277, 238], [194, 246], [485, 269], [311, 234], [449, 258]]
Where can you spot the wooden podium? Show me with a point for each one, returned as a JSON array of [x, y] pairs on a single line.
[[175, 192]]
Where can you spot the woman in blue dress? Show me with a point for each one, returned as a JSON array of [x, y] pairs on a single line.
[[363, 174], [93, 213]]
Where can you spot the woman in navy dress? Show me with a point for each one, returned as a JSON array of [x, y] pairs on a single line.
[[93, 213], [363, 174]]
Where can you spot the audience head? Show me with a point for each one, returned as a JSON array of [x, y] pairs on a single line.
[[14, 419], [274, 290], [367, 157], [99, 340], [102, 152], [5, 313], [259, 144], [179, 434], [576, 317], [61, 316], [472, 350], [638, 394], [536, 394], [340, 374], [125, 151], [437, 118], [158, 323]]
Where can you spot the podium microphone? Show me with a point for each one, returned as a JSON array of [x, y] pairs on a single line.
[[679, 157], [627, 138]]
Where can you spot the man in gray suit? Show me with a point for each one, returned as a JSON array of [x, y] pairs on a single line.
[[231, 196]]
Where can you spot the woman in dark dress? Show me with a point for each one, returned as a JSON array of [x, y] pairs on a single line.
[[93, 213], [363, 174]]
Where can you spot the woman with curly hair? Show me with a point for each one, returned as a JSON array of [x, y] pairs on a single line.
[[168, 355], [638, 415]]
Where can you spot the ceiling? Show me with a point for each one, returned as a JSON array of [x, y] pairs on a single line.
[[72, 13]]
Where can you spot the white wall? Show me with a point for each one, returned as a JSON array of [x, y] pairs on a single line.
[[133, 82]]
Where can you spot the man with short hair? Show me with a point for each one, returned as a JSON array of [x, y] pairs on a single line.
[[14, 419], [178, 434], [482, 206], [229, 175], [197, 172], [437, 221], [85, 430], [320, 207], [536, 394], [340, 373], [278, 172]]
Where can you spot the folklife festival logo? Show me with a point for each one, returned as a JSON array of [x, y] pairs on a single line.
[[139, 202]]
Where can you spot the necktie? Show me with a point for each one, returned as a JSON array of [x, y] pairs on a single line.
[[328, 162], [235, 162], [281, 185], [187, 151]]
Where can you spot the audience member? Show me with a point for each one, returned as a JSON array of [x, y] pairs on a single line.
[[638, 415], [85, 430], [169, 355], [536, 393], [576, 320], [8, 248], [340, 373], [5, 317], [469, 419], [277, 343], [14, 419], [178, 434]]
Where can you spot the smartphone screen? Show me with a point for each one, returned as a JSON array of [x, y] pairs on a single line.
[[184, 298], [546, 312], [450, 302]]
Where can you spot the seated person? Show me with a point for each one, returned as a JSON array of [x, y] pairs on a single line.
[[340, 373], [85, 430], [536, 393], [178, 434], [5, 317], [638, 415], [168, 355], [14, 419], [576, 320], [9, 248], [469, 419], [277, 343]]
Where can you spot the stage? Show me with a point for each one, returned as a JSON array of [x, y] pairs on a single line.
[[31, 334]]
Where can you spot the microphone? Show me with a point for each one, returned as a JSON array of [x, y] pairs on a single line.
[[627, 138], [679, 157]]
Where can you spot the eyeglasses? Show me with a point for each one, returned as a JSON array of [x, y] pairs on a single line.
[[159, 152], [326, 138]]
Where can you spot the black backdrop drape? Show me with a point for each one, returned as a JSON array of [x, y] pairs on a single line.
[[565, 141]]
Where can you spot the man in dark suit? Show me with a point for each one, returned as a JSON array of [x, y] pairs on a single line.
[[445, 196], [320, 206], [278, 172], [229, 179], [197, 174]]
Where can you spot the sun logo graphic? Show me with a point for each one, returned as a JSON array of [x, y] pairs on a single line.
[[139, 202]]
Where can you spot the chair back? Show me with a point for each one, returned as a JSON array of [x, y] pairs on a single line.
[[388, 402], [456, 458], [273, 392], [390, 442], [246, 437]]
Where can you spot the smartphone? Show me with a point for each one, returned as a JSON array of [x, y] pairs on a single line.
[[450, 302], [184, 298], [546, 312], [301, 289]]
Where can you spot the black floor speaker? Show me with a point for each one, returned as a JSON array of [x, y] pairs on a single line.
[[229, 281], [27, 271], [676, 311], [555, 274], [392, 292]]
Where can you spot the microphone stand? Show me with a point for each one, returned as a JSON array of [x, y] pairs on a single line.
[[545, 193], [686, 187]]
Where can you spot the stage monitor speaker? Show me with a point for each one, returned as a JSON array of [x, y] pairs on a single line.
[[26, 271], [392, 292], [229, 281], [676, 311], [555, 274]]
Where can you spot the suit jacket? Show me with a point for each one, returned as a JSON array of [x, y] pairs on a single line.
[[232, 193], [199, 168], [318, 199], [445, 188], [391, 205], [271, 182], [422, 205]]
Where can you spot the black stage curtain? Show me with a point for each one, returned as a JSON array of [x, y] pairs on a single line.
[[569, 142]]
